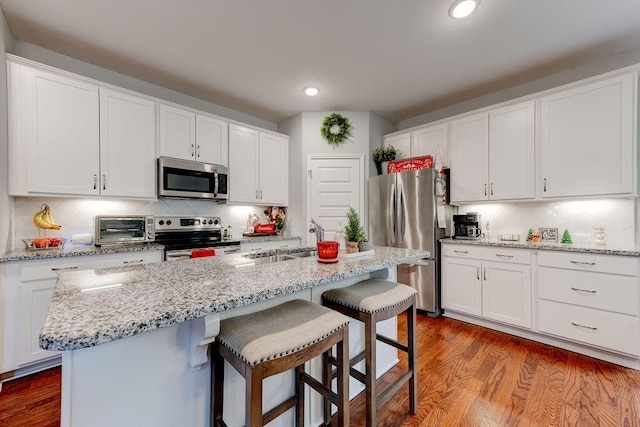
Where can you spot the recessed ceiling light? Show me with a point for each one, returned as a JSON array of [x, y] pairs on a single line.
[[311, 91], [463, 8]]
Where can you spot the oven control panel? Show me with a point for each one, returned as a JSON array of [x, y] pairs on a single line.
[[168, 223]]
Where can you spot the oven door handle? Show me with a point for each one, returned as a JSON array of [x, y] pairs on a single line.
[[178, 254]]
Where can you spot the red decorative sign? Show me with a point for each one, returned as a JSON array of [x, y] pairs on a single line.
[[412, 164], [265, 228]]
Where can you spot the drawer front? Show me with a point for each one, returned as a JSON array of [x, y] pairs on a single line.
[[612, 331], [610, 292], [589, 262], [50, 268], [516, 256], [462, 251]]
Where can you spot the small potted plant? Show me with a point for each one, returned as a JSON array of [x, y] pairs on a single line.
[[354, 233], [384, 154]]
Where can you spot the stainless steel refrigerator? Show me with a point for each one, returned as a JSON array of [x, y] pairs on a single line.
[[402, 214]]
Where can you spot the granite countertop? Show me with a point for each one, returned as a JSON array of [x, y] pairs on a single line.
[[560, 247], [93, 307], [71, 251]]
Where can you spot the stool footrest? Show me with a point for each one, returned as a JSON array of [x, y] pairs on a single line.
[[394, 387], [320, 388], [279, 410], [392, 343]]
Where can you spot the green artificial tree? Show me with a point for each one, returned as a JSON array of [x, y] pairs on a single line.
[[529, 233], [353, 230], [566, 237]]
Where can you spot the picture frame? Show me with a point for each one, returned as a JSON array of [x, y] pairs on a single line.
[[548, 235]]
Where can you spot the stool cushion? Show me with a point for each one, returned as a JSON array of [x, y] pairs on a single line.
[[372, 295], [278, 331]]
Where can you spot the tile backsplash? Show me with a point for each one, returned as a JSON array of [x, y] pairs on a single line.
[[578, 216], [77, 215]]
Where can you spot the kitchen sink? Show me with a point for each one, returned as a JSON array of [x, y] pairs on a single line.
[[302, 254], [275, 258]]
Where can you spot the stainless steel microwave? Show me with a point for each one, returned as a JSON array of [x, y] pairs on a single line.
[[186, 179], [123, 229]]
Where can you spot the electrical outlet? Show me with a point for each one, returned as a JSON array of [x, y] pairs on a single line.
[[581, 237]]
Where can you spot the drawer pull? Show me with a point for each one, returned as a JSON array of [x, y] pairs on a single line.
[[73, 267], [460, 252], [590, 291], [136, 261], [504, 256], [582, 263], [591, 328]]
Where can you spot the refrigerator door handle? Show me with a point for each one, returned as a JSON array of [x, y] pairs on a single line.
[[392, 218], [400, 215]]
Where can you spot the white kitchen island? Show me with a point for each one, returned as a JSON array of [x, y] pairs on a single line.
[[130, 336]]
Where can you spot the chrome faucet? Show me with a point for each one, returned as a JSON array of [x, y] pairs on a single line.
[[317, 228]]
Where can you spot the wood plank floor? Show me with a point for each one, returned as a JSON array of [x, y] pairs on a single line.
[[467, 376]]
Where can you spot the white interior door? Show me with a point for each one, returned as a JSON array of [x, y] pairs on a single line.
[[335, 184]]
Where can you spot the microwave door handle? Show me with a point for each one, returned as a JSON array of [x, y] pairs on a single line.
[[216, 183]]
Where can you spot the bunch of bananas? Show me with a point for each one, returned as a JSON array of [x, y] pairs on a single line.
[[43, 219]]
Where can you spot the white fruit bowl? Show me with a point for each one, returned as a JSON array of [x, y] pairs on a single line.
[[45, 243]]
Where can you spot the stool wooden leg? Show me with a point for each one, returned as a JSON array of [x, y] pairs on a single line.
[[217, 391], [370, 366], [299, 395], [253, 396], [326, 380], [343, 381], [411, 346]]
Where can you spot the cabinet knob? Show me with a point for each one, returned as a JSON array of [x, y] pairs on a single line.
[[478, 273], [95, 181], [104, 182], [198, 151], [484, 274], [192, 150], [492, 188], [544, 184], [485, 189]]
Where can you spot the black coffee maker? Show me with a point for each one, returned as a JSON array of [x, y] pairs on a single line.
[[467, 226]]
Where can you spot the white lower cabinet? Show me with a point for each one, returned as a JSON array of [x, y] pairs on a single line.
[[491, 283], [590, 299], [27, 289]]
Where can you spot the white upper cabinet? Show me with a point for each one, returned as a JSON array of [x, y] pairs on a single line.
[[258, 167], [512, 152], [470, 158], [187, 135], [431, 141], [587, 141], [493, 155], [401, 142], [54, 133], [212, 140], [127, 145]]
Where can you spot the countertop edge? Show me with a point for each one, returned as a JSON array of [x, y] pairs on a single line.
[[559, 247]]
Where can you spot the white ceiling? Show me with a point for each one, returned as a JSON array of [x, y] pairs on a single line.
[[396, 58]]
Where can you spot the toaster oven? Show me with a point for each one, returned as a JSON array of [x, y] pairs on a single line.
[[121, 229]]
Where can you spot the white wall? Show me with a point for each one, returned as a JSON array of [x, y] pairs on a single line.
[[577, 216], [67, 63], [305, 139], [77, 215], [6, 202]]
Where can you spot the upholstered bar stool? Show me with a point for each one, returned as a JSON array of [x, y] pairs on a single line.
[[275, 340], [370, 302]]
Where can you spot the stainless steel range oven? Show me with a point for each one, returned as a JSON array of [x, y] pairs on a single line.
[[192, 237]]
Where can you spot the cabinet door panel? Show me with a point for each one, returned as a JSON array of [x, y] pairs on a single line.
[[506, 293], [177, 132], [469, 158], [127, 145], [243, 164], [587, 139], [34, 304], [402, 143], [274, 165], [431, 141], [212, 140], [62, 132], [461, 285], [511, 152]]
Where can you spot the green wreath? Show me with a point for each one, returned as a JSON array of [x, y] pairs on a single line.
[[336, 129]]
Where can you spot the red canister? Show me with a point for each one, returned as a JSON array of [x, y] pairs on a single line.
[[328, 251]]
